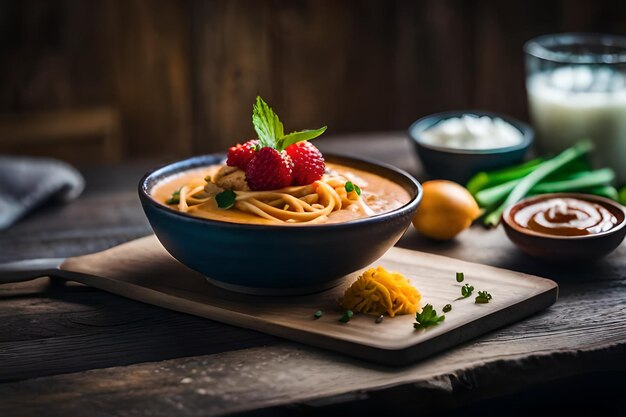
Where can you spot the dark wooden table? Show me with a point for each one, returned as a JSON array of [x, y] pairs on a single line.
[[66, 349]]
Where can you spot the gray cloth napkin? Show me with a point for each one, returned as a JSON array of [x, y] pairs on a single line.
[[29, 183]]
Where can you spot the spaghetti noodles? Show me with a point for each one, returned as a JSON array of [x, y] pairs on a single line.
[[298, 204]]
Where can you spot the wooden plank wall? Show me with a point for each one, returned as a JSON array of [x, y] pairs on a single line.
[[182, 75]]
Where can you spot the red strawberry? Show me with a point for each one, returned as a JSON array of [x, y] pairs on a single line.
[[308, 162], [239, 155], [269, 169]]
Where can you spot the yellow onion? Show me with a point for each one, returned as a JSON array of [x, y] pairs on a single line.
[[445, 211]]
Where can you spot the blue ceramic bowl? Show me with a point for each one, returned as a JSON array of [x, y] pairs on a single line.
[[460, 164], [277, 260]]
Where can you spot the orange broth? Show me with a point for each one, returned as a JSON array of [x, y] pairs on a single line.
[[380, 194]]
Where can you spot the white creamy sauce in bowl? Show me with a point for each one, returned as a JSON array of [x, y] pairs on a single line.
[[472, 132]]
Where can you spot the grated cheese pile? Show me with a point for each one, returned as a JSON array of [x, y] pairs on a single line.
[[379, 291]]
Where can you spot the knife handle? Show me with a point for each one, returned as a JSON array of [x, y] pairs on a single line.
[[29, 269]]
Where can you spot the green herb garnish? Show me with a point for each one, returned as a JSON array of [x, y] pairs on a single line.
[[350, 186], [466, 290], [427, 317], [379, 319], [483, 297], [460, 277], [175, 198], [270, 129], [226, 199], [346, 316], [447, 308], [318, 314]]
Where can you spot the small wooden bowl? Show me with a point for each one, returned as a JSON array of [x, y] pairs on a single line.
[[566, 249]]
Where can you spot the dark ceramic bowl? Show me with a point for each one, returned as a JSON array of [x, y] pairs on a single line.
[[277, 260], [566, 249], [460, 164]]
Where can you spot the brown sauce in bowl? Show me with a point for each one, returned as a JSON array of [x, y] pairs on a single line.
[[565, 216]]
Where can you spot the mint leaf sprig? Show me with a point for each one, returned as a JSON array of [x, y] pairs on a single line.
[[270, 129], [266, 123]]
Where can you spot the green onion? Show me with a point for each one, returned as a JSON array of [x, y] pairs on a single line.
[[574, 182], [460, 277], [607, 191], [540, 172], [490, 196], [578, 165], [467, 290], [447, 308], [346, 316], [484, 180], [318, 314], [350, 186]]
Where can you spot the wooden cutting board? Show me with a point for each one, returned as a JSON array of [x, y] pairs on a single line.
[[142, 270]]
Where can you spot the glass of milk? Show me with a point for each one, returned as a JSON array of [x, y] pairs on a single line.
[[576, 86]]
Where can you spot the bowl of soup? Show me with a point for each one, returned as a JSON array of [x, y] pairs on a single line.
[[566, 227], [249, 250]]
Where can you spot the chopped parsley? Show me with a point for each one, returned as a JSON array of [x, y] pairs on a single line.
[[483, 297], [346, 316], [447, 308], [350, 186], [460, 277], [427, 317], [226, 199], [175, 198], [466, 290]]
